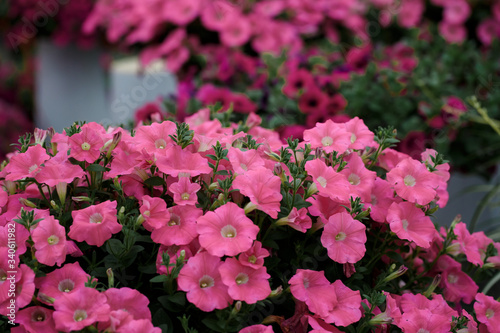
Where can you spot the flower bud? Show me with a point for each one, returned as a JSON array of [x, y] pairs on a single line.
[[61, 191], [312, 189], [394, 275], [45, 298], [276, 292], [54, 205], [318, 153], [111, 278], [250, 207], [26, 202], [432, 287], [381, 319], [213, 186], [81, 199], [40, 136]]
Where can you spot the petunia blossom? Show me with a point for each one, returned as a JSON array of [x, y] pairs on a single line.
[[226, 231]]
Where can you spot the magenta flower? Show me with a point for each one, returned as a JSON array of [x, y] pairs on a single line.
[[129, 300], [245, 283], [413, 182], [50, 242], [226, 231], [80, 309], [24, 287], [263, 188], [409, 222], [64, 280], [487, 311], [344, 238], [37, 319], [95, 224], [423, 320], [458, 286], [201, 280], [257, 329]]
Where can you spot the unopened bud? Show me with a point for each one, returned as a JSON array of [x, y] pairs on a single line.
[[278, 169], [26, 202], [116, 140], [311, 190], [54, 205], [213, 186], [111, 278], [250, 207], [432, 287], [455, 221], [46, 298], [81, 199], [140, 220], [381, 319], [40, 136], [276, 292], [318, 153], [394, 275]]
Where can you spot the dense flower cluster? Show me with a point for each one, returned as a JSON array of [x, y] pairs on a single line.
[[214, 219], [61, 20], [180, 31]]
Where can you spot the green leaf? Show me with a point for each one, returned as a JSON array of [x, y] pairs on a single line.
[[159, 278], [96, 168], [114, 247], [154, 181]]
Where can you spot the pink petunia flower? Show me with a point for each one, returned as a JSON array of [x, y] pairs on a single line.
[[86, 145], [361, 136], [244, 160], [458, 286], [245, 283], [263, 188], [80, 309], [27, 164], [468, 244], [347, 309], [423, 320], [361, 179], [297, 219], [129, 300], [24, 281], [329, 183], [313, 288], [201, 280], [254, 257], [236, 31], [181, 12], [64, 280], [456, 12], [180, 162], [257, 329], [95, 224], [154, 211], [226, 231], [37, 319], [50, 242], [179, 228], [184, 191], [344, 238], [409, 222], [413, 182], [487, 311], [330, 136]]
